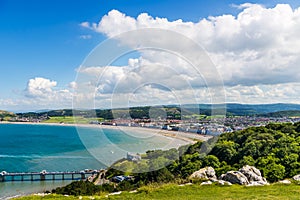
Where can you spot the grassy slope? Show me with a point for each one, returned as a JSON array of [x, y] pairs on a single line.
[[212, 192], [70, 120]]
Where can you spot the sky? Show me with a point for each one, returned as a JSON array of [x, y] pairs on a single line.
[[250, 52]]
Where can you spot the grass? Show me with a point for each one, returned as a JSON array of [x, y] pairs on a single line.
[[210, 192], [71, 120]]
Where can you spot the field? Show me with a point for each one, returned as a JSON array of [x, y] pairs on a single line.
[[71, 120], [213, 192]]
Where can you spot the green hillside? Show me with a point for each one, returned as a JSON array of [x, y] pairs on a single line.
[[5, 115], [196, 192]]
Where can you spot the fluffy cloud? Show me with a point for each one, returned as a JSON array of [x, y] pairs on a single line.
[[40, 87], [255, 51], [43, 93], [256, 39]]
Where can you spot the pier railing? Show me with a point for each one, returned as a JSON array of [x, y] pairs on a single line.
[[44, 175]]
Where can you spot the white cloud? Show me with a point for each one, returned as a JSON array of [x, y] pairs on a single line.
[[255, 51], [39, 87], [40, 93], [85, 37], [242, 46], [85, 24]]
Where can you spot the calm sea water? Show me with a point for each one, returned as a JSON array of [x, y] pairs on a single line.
[[33, 148]]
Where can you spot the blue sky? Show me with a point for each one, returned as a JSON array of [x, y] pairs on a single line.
[[45, 38]]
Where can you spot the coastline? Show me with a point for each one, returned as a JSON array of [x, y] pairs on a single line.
[[187, 137], [179, 138]]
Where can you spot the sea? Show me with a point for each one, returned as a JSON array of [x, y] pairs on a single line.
[[37, 147]]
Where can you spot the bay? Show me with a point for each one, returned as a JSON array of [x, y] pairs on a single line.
[[35, 147]]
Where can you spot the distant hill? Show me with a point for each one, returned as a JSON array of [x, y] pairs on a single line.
[[177, 111], [245, 109], [4, 115], [242, 109], [286, 113]]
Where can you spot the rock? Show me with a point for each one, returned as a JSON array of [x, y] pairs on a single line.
[[204, 173], [206, 183], [235, 177], [258, 183], [253, 175], [297, 177], [210, 172], [286, 181], [185, 184], [221, 182], [213, 180]]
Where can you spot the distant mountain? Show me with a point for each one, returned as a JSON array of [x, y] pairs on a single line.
[[244, 109], [174, 111], [42, 111], [247, 109], [286, 113]]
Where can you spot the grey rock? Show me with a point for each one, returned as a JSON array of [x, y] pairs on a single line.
[[296, 177], [235, 177], [221, 182], [286, 181], [253, 175], [204, 173], [206, 183]]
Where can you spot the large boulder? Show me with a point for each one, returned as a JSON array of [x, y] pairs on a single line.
[[235, 177], [253, 175], [297, 177], [206, 173], [247, 175]]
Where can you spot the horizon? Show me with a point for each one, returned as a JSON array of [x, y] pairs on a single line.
[[176, 105], [47, 56]]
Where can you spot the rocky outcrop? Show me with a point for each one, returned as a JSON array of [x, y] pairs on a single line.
[[235, 177], [253, 175], [207, 173], [247, 175], [297, 177]]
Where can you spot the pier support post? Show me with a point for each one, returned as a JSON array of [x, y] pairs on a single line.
[[82, 176], [63, 177], [2, 178], [31, 177], [72, 176], [42, 177], [22, 178]]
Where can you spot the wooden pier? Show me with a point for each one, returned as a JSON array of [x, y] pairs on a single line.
[[44, 175]]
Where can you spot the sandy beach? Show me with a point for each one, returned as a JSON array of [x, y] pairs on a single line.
[[190, 138]]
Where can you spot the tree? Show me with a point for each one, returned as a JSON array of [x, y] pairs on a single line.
[[226, 151], [274, 172], [211, 161]]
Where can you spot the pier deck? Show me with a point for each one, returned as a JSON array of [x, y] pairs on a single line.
[[44, 175]]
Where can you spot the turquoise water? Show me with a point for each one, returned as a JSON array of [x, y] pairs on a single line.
[[33, 148]]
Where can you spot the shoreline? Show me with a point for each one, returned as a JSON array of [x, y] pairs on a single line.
[[190, 138], [180, 138]]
